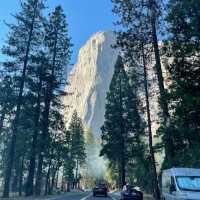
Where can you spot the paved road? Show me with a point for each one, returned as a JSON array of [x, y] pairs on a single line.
[[88, 196], [81, 196]]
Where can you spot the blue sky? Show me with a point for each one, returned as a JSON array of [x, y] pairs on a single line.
[[85, 17]]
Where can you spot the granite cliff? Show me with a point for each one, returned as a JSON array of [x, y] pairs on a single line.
[[90, 79]]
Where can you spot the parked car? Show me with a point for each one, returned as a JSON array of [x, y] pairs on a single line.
[[131, 193], [100, 189], [181, 184]]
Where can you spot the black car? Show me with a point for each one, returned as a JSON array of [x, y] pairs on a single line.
[[100, 189], [131, 194]]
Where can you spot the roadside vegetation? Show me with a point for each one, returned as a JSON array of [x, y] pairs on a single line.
[[35, 144]]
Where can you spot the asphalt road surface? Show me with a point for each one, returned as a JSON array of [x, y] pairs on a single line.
[[89, 196], [82, 196]]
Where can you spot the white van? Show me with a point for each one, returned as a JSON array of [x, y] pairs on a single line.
[[181, 184]]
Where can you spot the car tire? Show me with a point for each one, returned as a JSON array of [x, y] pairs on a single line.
[[94, 195]]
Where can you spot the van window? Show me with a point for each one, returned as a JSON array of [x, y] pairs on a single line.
[[191, 183]]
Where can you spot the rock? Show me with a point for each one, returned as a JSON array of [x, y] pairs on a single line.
[[90, 79]]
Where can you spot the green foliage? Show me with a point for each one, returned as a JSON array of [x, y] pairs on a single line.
[[37, 51], [77, 153], [122, 128], [78, 142], [182, 46]]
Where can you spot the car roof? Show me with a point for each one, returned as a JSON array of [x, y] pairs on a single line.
[[101, 184], [183, 171]]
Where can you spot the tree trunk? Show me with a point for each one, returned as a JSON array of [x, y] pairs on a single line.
[[122, 173], [76, 177], [52, 185], [47, 179], [45, 135], [39, 175], [159, 73], [122, 161], [2, 118], [54, 179], [31, 173], [68, 186], [15, 181], [153, 162], [45, 128], [63, 182], [21, 177], [57, 177], [11, 153]]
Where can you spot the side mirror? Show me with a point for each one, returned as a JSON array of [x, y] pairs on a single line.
[[172, 188]]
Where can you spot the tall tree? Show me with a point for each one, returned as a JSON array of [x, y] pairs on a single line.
[[131, 13], [77, 151], [7, 99], [182, 50], [122, 127], [41, 67], [23, 38], [58, 46], [149, 122], [56, 148]]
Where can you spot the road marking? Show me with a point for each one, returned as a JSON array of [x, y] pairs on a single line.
[[84, 198], [112, 197]]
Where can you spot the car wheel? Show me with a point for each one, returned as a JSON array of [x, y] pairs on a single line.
[[94, 194]]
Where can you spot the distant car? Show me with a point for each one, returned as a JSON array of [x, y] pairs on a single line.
[[100, 189], [131, 194]]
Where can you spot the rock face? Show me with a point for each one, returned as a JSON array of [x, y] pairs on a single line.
[[90, 79]]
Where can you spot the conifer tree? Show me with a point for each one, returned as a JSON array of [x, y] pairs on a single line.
[[7, 100], [144, 16], [37, 87], [23, 39], [182, 48], [77, 150], [122, 130], [56, 148], [58, 47]]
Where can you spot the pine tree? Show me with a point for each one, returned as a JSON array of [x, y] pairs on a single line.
[[22, 40], [122, 127], [145, 17], [7, 100], [41, 67], [31, 123], [22, 145], [58, 46], [56, 148], [182, 47], [149, 123], [77, 150]]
